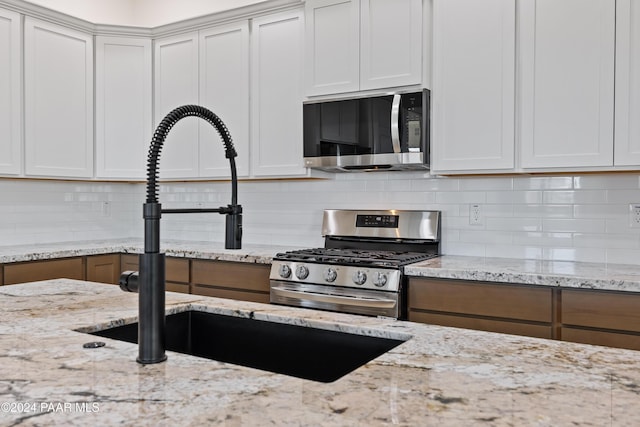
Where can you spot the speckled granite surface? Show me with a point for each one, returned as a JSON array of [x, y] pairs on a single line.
[[439, 377], [262, 254], [615, 277]]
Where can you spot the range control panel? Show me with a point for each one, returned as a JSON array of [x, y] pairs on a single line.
[[380, 221]]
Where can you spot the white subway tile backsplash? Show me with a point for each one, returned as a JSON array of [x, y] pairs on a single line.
[[542, 239], [543, 211], [485, 184], [461, 197], [513, 251], [575, 254], [577, 196], [544, 183], [604, 182], [574, 225], [528, 197], [573, 218]]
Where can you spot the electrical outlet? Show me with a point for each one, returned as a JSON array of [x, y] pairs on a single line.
[[475, 215], [634, 215]]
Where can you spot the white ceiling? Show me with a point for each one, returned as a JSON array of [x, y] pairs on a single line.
[[140, 13]]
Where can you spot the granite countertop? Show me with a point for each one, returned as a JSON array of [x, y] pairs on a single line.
[[439, 377], [616, 277], [613, 277], [261, 254]]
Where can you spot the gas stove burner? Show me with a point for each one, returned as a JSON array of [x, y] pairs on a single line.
[[392, 259]]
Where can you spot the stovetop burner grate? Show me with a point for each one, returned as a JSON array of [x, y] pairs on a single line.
[[339, 256]]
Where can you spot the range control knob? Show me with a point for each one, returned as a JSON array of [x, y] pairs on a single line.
[[302, 272], [330, 275], [379, 279], [284, 271], [359, 277]]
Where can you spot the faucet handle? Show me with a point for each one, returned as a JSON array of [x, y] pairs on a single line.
[[233, 228], [129, 281]]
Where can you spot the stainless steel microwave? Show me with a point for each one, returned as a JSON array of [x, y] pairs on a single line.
[[388, 132]]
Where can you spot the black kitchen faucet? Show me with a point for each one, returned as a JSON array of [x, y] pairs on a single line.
[[150, 281]]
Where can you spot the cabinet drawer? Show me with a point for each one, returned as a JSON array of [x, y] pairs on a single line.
[[238, 275], [606, 310], [177, 287], [177, 270], [103, 268], [69, 268], [129, 262], [609, 339], [505, 327], [231, 294], [481, 299]]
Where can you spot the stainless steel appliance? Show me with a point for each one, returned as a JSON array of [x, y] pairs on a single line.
[[360, 268], [389, 132]]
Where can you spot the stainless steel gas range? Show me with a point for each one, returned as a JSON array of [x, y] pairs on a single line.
[[360, 268]]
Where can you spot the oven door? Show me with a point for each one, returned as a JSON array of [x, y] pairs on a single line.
[[335, 298]]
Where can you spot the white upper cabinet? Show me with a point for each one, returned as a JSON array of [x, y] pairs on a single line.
[[332, 46], [176, 84], [276, 85], [353, 45], [390, 43], [10, 93], [627, 124], [473, 96], [566, 61], [58, 83], [224, 89], [123, 106]]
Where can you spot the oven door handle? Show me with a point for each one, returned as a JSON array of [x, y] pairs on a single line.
[[337, 299]]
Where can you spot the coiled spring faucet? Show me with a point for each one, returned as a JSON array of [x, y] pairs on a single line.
[[150, 281]]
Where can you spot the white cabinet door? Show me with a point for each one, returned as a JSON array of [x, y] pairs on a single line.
[[473, 94], [390, 43], [567, 74], [10, 93], [123, 106], [58, 100], [276, 113], [627, 121], [332, 62], [176, 84], [224, 89]]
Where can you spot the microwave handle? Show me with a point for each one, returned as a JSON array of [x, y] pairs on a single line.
[[395, 131]]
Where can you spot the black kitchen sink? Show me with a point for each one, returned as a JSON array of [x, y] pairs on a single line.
[[303, 352]]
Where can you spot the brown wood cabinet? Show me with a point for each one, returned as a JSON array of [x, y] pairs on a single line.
[[176, 271], [236, 280], [103, 268], [601, 317], [32, 271], [506, 308]]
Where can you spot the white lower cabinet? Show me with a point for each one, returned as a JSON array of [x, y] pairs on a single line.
[[473, 94], [566, 59], [627, 121], [10, 93], [58, 83], [123, 106], [276, 110]]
